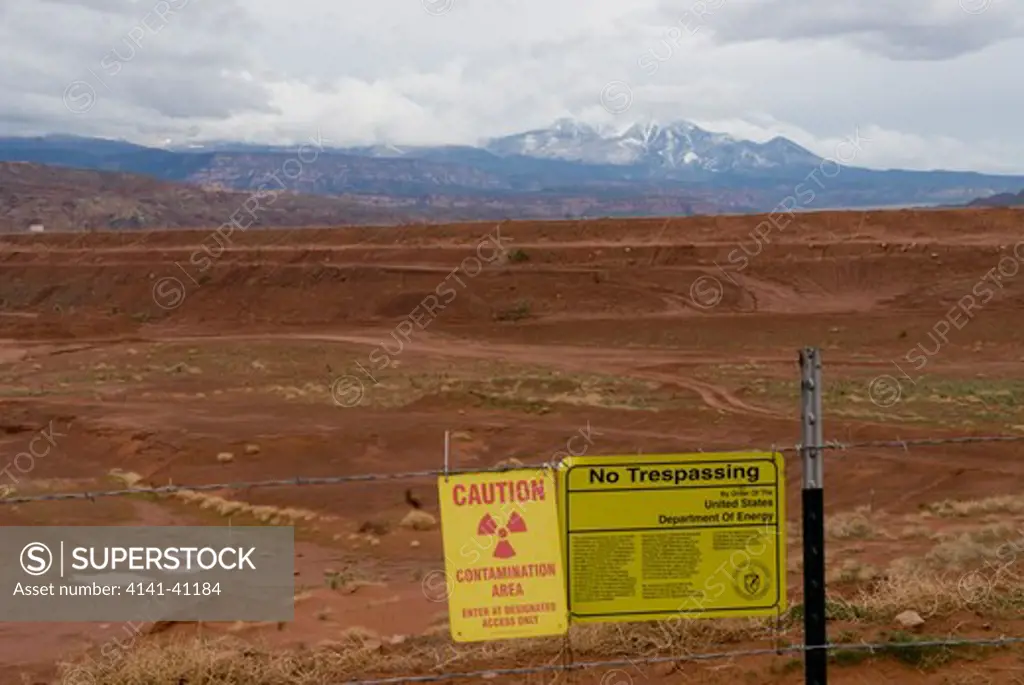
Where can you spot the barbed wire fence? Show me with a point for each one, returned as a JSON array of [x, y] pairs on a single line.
[[814, 652], [298, 481]]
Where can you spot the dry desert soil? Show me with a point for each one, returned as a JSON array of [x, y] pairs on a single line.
[[149, 359]]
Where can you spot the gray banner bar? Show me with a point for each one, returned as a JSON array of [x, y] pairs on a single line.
[[153, 573]]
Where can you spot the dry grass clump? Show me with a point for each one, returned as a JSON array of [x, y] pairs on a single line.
[[417, 519], [855, 525], [359, 653], [988, 543], [852, 571], [275, 516], [908, 585], [39, 486], [959, 553], [1004, 504], [127, 478], [916, 530], [678, 635], [231, 661]]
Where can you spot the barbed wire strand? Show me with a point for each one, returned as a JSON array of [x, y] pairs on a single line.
[[407, 475], [682, 658]]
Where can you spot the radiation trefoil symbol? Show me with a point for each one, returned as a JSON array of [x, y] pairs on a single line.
[[504, 548]]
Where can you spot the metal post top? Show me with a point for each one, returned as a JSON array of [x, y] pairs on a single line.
[[810, 355]]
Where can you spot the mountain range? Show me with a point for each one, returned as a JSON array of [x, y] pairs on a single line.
[[65, 199], [1000, 200], [566, 170]]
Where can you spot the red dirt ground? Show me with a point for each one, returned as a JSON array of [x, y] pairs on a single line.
[[249, 355]]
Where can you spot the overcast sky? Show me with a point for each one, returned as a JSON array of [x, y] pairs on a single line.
[[928, 83]]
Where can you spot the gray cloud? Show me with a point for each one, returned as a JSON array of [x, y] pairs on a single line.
[[180, 59], [120, 7], [904, 30], [938, 85]]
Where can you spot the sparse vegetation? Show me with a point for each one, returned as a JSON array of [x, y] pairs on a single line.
[[228, 508], [418, 520], [852, 571], [929, 400], [520, 310], [908, 649], [988, 543], [854, 525], [1003, 504], [518, 255], [361, 653]]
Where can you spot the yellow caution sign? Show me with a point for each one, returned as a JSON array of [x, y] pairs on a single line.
[[503, 556], [650, 537]]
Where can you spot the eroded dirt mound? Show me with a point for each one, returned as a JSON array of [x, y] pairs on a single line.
[[553, 271]]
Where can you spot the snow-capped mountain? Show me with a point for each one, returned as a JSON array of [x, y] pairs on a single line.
[[676, 150], [679, 145]]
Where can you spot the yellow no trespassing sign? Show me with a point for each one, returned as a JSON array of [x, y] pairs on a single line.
[[649, 537], [503, 556]]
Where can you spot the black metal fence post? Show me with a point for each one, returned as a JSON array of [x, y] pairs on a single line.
[[815, 638]]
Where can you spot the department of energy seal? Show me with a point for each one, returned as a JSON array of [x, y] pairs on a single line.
[[752, 580]]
